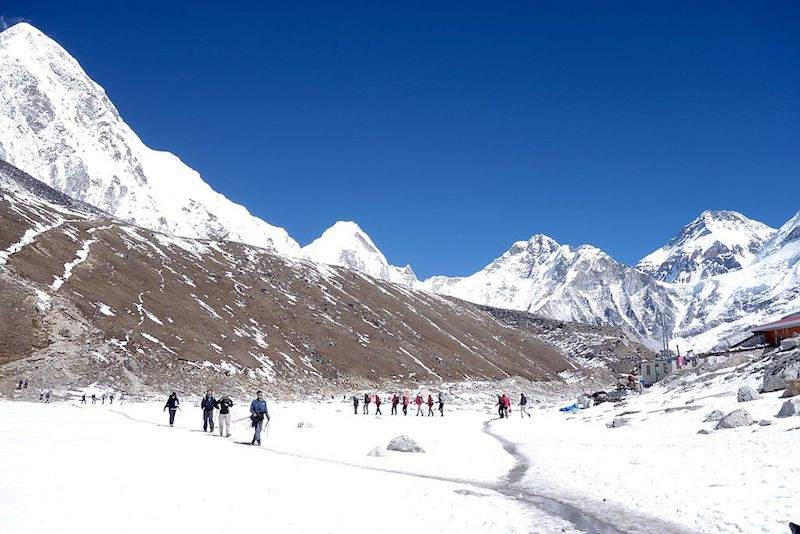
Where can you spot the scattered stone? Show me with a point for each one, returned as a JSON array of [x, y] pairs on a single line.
[[790, 407], [617, 422], [704, 432], [305, 424], [404, 444], [716, 415], [764, 422], [747, 394], [735, 419], [790, 343], [682, 408], [783, 368], [793, 390], [377, 452]]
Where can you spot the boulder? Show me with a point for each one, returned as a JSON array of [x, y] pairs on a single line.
[[784, 367], [716, 415], [790, 407], [735, 419], [377, 452], [404, 444], [305, 424], [747, 394], [790, 343], [617, 422], [703, 432], [764, 422], [793, 390]]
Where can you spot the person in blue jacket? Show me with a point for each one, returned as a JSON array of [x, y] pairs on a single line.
[[208, 404], [258, 412]]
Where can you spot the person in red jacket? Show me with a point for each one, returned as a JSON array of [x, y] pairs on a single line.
[[405, 404], [430, 405], [418, 402], [378, 405], [507, 404]]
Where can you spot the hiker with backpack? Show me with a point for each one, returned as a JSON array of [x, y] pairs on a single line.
[[501, 408], [258, 412], [173, 405], [355, 404], [418, 402], [430, 405], [395, 402], [378, 404], [441, 404], [208, 404], [523, 403], [366, 404], [405, 404], [224, 405]]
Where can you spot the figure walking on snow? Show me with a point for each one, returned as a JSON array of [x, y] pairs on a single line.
[[224, 405], [104, 398], [441, 404], [173, 405], [111, 399], [378, 405], [501, 407], [395, 402], [355, 404], [94, 398], [430, 405], [405, 404], [366, 404], [83, 398], [418, 402], [523, 405], [506, 405], [258, 412], [208, 404]]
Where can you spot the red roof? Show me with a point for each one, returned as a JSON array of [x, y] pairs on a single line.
[[787, 322]]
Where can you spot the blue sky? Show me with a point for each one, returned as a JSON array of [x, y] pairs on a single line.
[[450, 130]]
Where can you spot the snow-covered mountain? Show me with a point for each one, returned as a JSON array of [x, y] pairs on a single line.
[[60, 126], [571, 284], [716, 242], [347, 245]]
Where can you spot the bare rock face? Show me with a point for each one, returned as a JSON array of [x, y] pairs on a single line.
[[377, 452], [618, 422], [716, 415], [790, 407], [735, 419], [747, 394], [404, 444]]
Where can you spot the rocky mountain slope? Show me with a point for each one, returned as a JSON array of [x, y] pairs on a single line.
[[716, 242], [60, 127], [86, 297]]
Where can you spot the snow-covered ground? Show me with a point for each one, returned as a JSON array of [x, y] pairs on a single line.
[[72, 468], [732, 480]]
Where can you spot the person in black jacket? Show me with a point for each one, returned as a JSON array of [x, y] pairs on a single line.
[[173, 405], [208, 404], [224, 405]]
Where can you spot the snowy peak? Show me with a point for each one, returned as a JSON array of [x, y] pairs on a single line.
[[786, 239], [59, 126], [716, 242], [347, 245]]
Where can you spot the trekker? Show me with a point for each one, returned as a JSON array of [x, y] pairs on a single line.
[[94, 398], [83, 398], [366, 404], [41, 394], [501, 406], [47, 395], [441, 404], [19, 386], [418, 402], [405, 404], [208, 404], [355, 404], [121, 396], [378, 405], [258, 412], [224, 405], [104, 398], [506, 404], [523, 403], [173, 405], [395, 402], [111, 398], [25, 385], [430, 405]]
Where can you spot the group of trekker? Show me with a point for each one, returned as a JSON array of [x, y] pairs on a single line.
[[103, 398], [504, 406], [397, 400], [258, 413]]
